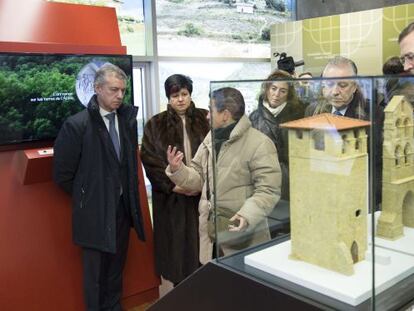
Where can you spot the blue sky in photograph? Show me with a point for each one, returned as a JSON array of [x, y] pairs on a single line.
[[133, 7]]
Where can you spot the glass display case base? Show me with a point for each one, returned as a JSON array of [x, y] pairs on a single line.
[[352, 290]]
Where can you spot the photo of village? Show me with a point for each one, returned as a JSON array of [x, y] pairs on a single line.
[[218, 28]]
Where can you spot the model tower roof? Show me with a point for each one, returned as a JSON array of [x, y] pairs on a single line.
[[326, 121]]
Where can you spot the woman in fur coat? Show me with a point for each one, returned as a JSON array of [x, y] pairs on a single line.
[[175, 211]]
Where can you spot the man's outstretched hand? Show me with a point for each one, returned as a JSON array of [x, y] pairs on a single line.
[[175, 158]]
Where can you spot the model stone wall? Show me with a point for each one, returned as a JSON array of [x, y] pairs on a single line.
[[328, 182], [398, 170]]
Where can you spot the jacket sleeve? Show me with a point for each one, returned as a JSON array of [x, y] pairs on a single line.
[[266, 176], [310, 109], [154, 162], [67, 153]]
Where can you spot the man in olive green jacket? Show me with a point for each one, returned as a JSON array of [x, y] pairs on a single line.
[[247, 179]]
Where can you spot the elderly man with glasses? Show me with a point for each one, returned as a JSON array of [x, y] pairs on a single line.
[[341, 97]]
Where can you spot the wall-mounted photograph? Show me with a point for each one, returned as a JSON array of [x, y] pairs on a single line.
[[219, 28]]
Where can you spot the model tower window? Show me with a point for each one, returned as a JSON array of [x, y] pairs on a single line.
[[398, 156], [407, 126], [356, 135], [407, 154], [318, 140], [328, 191]]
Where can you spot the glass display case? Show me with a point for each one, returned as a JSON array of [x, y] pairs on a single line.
[[312, 187]]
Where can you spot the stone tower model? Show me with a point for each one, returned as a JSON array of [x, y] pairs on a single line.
[[328, 168], [398, 170]]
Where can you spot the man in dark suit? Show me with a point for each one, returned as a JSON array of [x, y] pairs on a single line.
[[95, 161], [343, 96]]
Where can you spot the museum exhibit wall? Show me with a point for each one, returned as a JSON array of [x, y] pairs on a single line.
[[40, 268], [368, 37]]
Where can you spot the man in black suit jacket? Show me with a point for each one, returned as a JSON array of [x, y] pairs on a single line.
[[95, 161], [343, 97]]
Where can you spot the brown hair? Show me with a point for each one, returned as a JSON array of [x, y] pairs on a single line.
[[279, 75]]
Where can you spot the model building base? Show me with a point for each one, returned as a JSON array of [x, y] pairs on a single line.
[[403, 244], [353, 289]]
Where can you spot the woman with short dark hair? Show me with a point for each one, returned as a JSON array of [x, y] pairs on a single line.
[[175, 211]]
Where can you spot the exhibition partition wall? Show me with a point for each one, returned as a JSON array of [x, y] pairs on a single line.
[[369, 38]]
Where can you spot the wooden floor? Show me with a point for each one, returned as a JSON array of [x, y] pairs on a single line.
[[164, 288], [143, 307]]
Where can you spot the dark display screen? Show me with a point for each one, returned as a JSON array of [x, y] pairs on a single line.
[[39, 91]]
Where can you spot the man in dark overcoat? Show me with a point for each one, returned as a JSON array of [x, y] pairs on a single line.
[[95, 161]]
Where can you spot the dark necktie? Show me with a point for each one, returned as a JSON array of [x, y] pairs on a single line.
[[113, 133], [338, 113]]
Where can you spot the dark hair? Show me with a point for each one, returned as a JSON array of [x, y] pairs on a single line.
[[176, 82], [279, 75], [393, 66], [231, 99], [406, 31]]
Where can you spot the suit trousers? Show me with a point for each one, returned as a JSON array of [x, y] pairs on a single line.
[[102, 271]]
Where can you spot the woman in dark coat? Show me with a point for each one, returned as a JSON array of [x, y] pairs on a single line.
[[278, 103], [175, 212]]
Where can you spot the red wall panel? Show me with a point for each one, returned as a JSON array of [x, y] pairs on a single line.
[[40, 268], [39, 21]]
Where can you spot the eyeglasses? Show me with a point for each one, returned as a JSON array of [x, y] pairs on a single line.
[[409, 57]]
